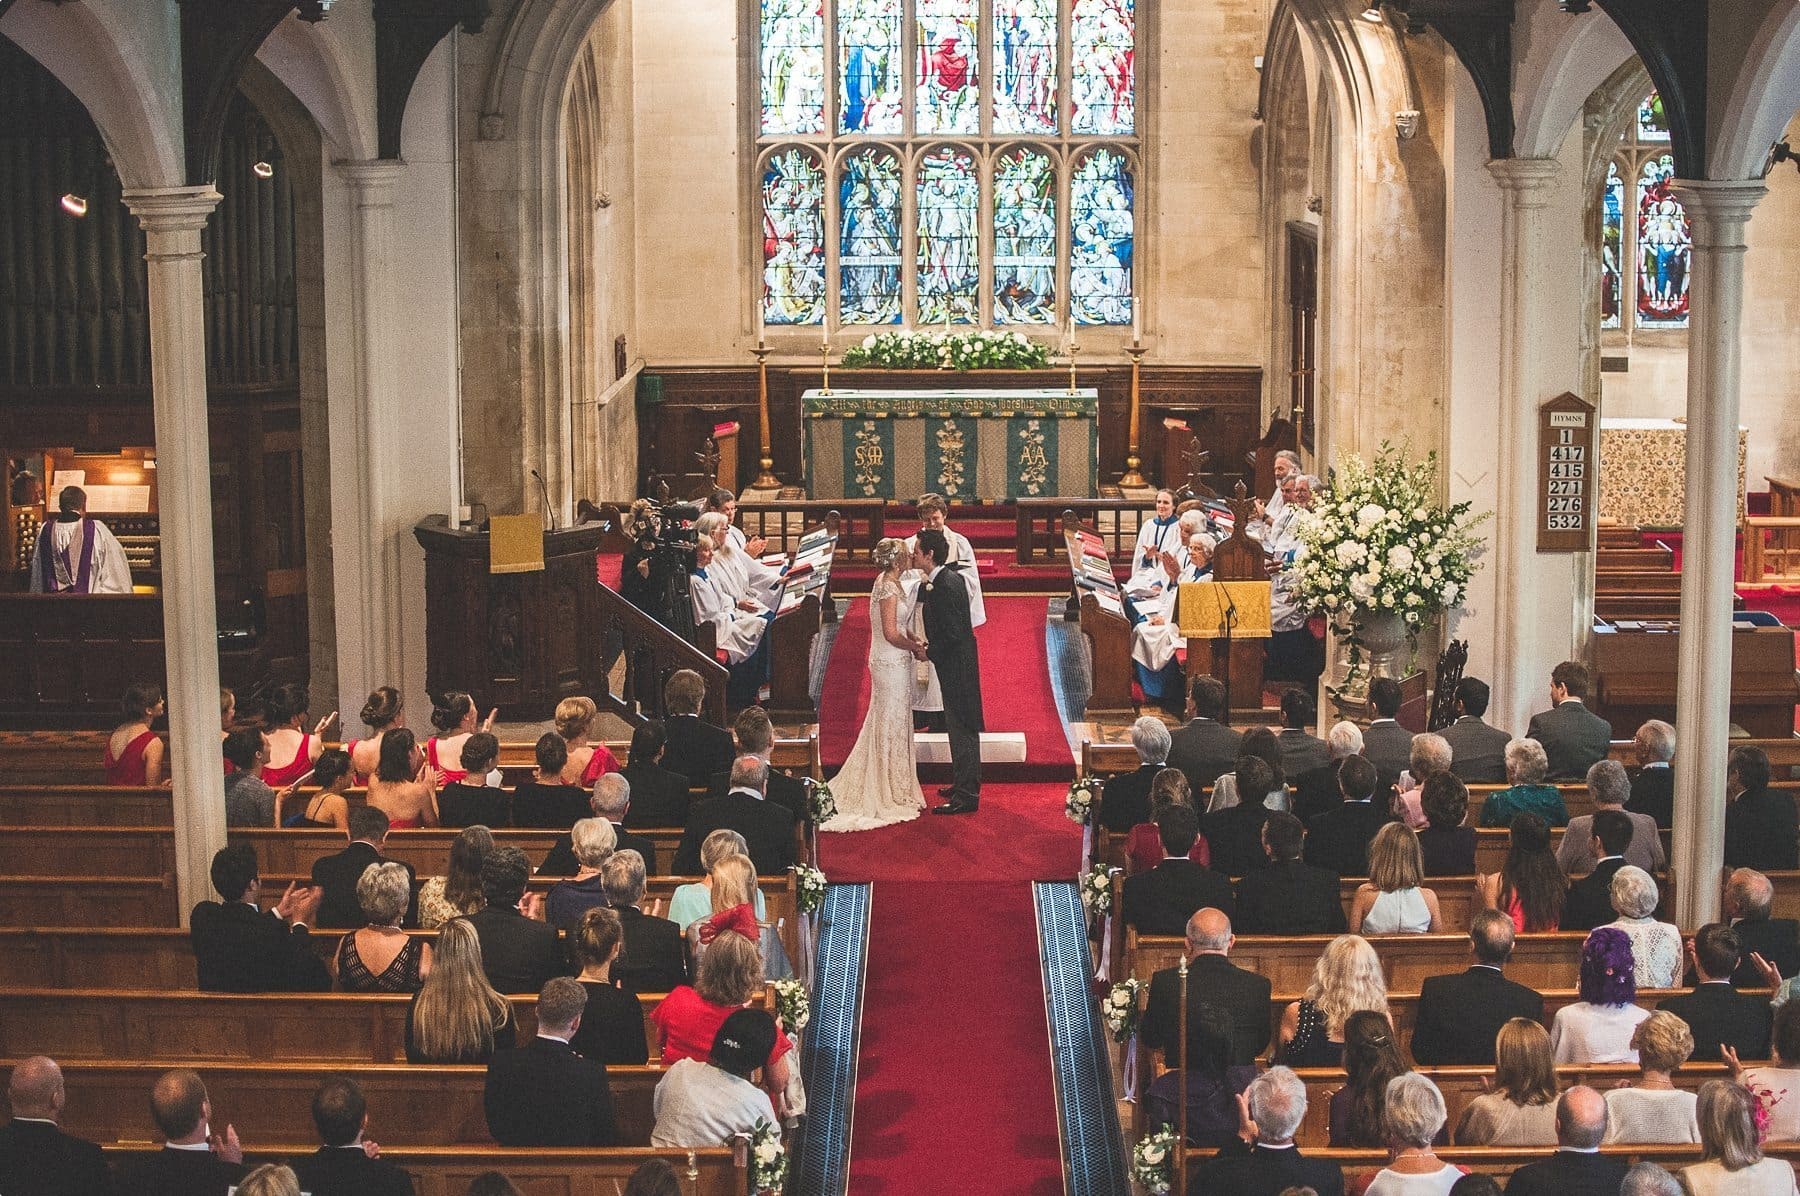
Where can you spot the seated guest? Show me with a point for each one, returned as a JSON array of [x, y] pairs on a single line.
[[591, 840], [1576, 1169], [1760, 823], [1610, 789], [328, 808], [1526, 767], [1143, 847], [457, 893], [1263, 744], [1316, 789], [381, 713], [610, 802], [292, 750], [767, 828], [519, 952], [612, 1025], [1529, 888], [457, 1017], [729, 978], [270, 1179], [1386, 744], [135, 754], [1276, 1103], [1748, 899], [1460, 1015], [35, 1155], [1394, 901], [1125, 800], [1347, 978], [1204, 748], [1656, 947], [1574, 738], [338, 875], [1412, 1117], [755, 736], [1598, 1028], [1300, 752], [1477, 750], [733, 887], [241, 948], [404, 786], [381, 957], [738, 625], [248, 799], [1372, 1057], [1339, 838], [652, 959], [1653, 788], [1288, 897], [1652, 1110], [1648, 1179], [1233, 829], [1590, 898], [1162, 900], [1733, 1158], [694, 748], [1213, 1083], [347, 1164], [587, 761], [693, 901], [702, 1103], [1718, 1014], [475, 798], [1212, 980], [1447, 846], [193, 1161], [659, 797], [454, 716], [1520, 1108], [1781, 1075], [543, 1093], [1156, 633], [1430, 757], [544, 801]]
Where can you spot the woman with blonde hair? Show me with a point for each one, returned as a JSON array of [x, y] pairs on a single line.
[[729, 978], [1347, 978], [458, 893], [1520, 1109], [733, 885], [587, 761], [270, 1179], [1393, 899], [691, 902], [1734, 1161], [1652, 1110], [457, 1017], [381, 957]]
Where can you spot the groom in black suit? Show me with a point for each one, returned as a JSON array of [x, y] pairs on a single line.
[[951, 648]]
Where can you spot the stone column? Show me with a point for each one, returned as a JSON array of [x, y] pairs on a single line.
[[366, 431], [172, 219], [1717, 212]]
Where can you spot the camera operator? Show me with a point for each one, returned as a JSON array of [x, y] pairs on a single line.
[[654, 573]]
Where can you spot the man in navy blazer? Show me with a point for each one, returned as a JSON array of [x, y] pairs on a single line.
[[1162, 900], [544, 1094], [1459, 1015], [1574, 738], [768, 829], [1205, 748], [1277, 1100], [35, 1155], [693, 747], [1577, 1168], [347, 1164], [1477, 750], [193, 1161]]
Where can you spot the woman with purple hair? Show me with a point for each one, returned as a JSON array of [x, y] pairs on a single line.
[[1598, 1028]]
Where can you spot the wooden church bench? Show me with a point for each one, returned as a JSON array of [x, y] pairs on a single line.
[[1539, 960]]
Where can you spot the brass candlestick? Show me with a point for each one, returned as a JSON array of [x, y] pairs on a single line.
[[766, 480], [825, 367], [1133, 478], [1073, 350]]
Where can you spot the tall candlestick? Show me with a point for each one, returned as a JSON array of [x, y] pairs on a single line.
[[766, 480], [825, 365], [1133, 463]]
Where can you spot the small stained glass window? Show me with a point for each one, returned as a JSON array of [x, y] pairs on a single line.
[[793, 204], [949, 236], [793, 67], [869, 238], [1664, 249], [1024, 238], [1102, 49], [1101, 238]]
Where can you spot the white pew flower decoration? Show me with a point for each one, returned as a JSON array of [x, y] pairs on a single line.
[[1121, 1009], [809, 888], [793, 1004], [768, 1159], [824, 805], [1079, 804], [1096, 891], [1153, 1161]]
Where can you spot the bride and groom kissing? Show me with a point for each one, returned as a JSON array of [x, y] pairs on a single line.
[[878, 784]]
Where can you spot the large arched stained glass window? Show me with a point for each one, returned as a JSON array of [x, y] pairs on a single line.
[[1101, 238], [1024, 238], [1103, 56], [869, 238], [949, 238], [793, 238], [1025, 67], [1612, 247], [1664, 249], [1645, 246], [793, 67]]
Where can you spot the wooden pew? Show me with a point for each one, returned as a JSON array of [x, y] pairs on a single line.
[[1095, 595], [1502, 1161], [1543, 961]]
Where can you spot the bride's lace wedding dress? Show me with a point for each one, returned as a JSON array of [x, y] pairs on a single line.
[[879, 783]]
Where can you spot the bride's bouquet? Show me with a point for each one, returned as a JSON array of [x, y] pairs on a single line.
[[1079, 804]]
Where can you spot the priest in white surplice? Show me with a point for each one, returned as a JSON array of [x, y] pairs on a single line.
[[1157, 634], [928, 697], [78, 555], [738, 626]]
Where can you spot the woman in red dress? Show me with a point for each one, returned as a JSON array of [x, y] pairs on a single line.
[[292, 752], [587, 761], [135, 754], [404, 786], [454, 717]]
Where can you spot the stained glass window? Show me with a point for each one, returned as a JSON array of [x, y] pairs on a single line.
[[1652, 121], [1102, 46], [1645, 245], [1025, 67], [948, 99], [949, 238], [869, 238], [1664, 249], [793, 67], [870, 66], [793, 201], [1024, 238], [1101, 236], [1612, 247]]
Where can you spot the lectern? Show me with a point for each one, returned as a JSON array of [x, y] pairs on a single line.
[[513, 640]]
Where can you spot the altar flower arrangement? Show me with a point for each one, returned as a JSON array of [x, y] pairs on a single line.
[[1153, 1161], [824, 806], [768, 1159], [793, 1004], [1079, 804], [1120, 1009], [1379, 545], [809, 886], [1096, 890], [983, 350]]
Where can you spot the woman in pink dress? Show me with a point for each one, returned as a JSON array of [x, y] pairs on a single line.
[[135, 754], [404, 786], [587, 761]]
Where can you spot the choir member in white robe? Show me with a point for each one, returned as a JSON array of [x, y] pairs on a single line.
[[78, 555], [1157, 636], [737, 630], [741, 574], [1294, 653], [928, 696], [1287, 465], [1155, 537]]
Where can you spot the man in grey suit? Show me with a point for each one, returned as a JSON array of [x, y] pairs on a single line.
[[1574, 737], [1205, 748], [1477, 750], [1386, 744], [1300, 752]]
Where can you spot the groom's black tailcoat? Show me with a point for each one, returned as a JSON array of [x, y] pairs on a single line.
[[951, 647]]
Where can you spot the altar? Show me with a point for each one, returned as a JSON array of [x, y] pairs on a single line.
[[965, 444]]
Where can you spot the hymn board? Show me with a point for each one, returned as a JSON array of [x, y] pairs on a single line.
[[1566, 475]]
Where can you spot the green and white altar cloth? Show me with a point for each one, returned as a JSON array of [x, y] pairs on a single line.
[[963, 444]]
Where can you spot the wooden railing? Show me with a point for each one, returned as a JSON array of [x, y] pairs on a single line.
[[1771, 549], [859, 526], [650, 653], [1038, 536]]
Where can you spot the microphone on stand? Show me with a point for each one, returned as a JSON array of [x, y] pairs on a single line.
[[544, 493]]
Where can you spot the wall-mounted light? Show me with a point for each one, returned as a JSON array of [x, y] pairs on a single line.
[[1372, 14], [75, 205], [263, 170]]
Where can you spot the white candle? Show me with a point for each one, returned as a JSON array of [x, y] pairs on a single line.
[[1137, 326], [1071, 327]]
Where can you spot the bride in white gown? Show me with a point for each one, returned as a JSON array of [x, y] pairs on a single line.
[[879, 783]]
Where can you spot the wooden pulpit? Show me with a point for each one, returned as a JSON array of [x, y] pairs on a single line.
[[1238, 558]]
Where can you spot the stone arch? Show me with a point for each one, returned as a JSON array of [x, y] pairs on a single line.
[[1564, 62], [330, 69], [1763, 96]]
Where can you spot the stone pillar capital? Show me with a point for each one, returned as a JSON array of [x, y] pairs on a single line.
[[1526, 180], [171, 209], [373, 180], [1718, 209]]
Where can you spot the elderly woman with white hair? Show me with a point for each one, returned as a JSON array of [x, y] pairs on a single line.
[[1413, 1115], [1653, 788], [1316, 790], [381, 957], [1125, 801], [1157, 633], [1656, 947], [745, 577], [1430, 756], [592, 840], [1526, 768]]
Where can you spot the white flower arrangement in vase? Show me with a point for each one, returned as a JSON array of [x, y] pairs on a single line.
[[984, 350]]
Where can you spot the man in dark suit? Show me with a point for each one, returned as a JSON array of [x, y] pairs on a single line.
[[1574, 738], [1459, 1015], [1477, 751], [1125, 801], [1162, 900], [768, 829], [756, 737], [518, 953], [1339, 838], [1386, 744], [1577, 1168], [347, 1164], [693, 747], [652, 958], [1212, 980], [1718, 1014], [1590, 899], [1748, 898], [35, 1155], [1235, 833], [1760, 823], [193, 1161], [1653, 788], [336, 875], [1300, 752], [1288, 897], [241, 948], [611, 800], [952, 651], [1277, 1102], [1205, 748], [544, 1094], [659, 797]]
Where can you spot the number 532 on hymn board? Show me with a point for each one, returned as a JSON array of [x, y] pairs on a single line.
[[1567, 466]]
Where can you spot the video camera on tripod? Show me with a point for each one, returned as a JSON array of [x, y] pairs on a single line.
[[663, 536]]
